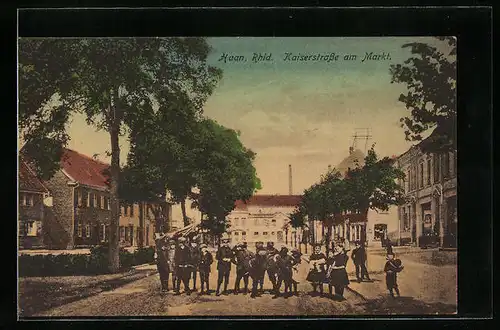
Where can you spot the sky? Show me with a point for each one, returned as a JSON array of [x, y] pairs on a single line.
[[302, 113]]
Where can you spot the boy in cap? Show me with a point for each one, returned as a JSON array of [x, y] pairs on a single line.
[[206, 261], [195, 259], [239, 258], [223, 256], [184, 265], [391, 269]]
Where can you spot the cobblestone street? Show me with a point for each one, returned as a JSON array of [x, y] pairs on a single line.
[[425, 289]]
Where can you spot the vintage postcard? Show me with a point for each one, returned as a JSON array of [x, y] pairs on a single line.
[[237, 176]]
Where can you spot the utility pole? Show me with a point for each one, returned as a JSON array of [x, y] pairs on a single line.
[[361, 133]]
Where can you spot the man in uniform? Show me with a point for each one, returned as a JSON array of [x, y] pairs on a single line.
[[184, 265], [240, 257], [259, 247], [272, 268], [161, 261], [195, 260], [358, 256], [223, 256], [171, 262]]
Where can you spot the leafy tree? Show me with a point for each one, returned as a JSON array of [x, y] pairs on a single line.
[[225, 174], [112, 82], [373, 186], [326, 201], [430, 76]]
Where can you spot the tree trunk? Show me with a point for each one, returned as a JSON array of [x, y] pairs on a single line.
[[184, 215], [141, 226], [114, 248]]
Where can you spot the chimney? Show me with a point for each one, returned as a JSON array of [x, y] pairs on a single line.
[[290, 190]]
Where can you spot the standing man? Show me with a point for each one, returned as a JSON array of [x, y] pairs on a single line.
[[271, 267], [262, 252], [206, 261], [195, 260], [223, 256], [184, 265], [240, 257], [358, 256], [171, 262], [161, 260]]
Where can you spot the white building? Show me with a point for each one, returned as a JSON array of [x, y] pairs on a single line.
[[264, 218]]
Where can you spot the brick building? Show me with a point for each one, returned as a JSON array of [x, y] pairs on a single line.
[[80, 215], [31, 219], [430, 186]]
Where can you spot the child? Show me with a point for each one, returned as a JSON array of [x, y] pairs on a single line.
[[337, 274], [206, 261], [317, 271], [392, 267]]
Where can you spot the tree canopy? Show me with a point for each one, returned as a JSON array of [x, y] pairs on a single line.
[[112, 82], [430, 76]]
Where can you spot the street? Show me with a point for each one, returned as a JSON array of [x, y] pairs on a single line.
[[425, 289]]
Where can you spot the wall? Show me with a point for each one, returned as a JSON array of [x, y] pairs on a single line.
[[59, 218], [35, 212]]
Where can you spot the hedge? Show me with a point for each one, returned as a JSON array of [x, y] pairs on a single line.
[[80, 264]]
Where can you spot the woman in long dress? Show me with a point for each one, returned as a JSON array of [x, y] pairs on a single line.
[[317, 270], [337, 274]]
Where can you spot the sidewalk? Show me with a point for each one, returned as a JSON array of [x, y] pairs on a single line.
[[72, 251]]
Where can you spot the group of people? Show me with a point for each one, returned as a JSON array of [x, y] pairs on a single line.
[[180, 261]]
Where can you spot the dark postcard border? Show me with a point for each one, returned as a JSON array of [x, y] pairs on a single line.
[[472, 26]]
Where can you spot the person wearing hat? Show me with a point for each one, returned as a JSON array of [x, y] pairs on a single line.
[[206, 261], [241, 254], [261, 250], [170, 254], [392, 268], [195, 259], [336, 271], [224, 256], [316, 273], [284, 262], [161, 261], [272, 267], [358, 256], [184, 265]]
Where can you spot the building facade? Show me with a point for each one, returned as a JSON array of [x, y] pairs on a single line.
[[31, 208], [430, 186], [264, 218], [81, 212]]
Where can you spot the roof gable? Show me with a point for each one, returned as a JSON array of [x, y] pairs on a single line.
[[84, 169], [28, 179]]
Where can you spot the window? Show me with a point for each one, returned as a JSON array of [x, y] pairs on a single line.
[[408, 176], [30, 228], [109, 203], [132, 210], [92, 199], [79, 230], [244, 233], [98, 201], [127, 233], [264, 233], [79, 198], [256, 233], [421, 175], [87, 230], [102, 232], [122, 232], [273, 222], [236, 233], [28, 199], [88, 199], [429, 169], [236, 221], [272, 233], [105, 203]]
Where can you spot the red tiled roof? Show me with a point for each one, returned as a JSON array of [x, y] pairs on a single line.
[[84, 169], [269, 200], [28, 180]]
